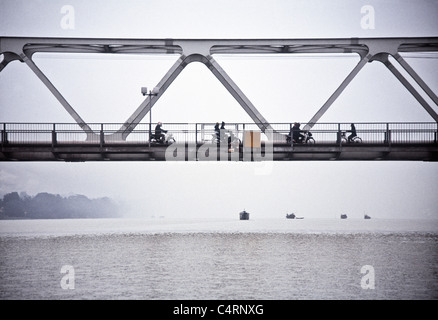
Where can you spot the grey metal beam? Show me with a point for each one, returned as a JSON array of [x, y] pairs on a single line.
[[7, 58], [416, 77], [58, 96], [235, 91], [132, 152], [385, 60], [229, 46], [337, 93], [149, 102], [173, 73]]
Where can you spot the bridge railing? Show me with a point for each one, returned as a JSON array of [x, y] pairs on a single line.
[[323, 133]]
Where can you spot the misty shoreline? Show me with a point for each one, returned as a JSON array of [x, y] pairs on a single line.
[[14, 206]]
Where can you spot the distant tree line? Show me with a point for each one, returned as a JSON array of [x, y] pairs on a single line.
[[53, 206]]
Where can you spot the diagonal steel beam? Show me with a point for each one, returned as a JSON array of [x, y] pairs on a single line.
[[173, 73], [384, 58], [58, 96], [337, 92], [416, 77], [149, 102], [235, 91]]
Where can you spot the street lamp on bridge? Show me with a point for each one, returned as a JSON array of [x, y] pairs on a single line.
[[153, 92]]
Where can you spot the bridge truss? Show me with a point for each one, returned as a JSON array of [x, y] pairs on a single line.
[[203, 50]]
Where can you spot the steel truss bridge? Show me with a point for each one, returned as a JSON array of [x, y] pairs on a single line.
[[130, 141]]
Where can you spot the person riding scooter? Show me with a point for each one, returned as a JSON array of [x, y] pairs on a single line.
[[296, 133], [159, 135]]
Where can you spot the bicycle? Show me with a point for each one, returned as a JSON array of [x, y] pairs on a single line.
[[344, 138]]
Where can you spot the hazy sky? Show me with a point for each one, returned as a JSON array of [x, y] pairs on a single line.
[[287, 89]]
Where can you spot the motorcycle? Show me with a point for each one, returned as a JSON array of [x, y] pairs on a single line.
[[232, 140], [168, 138], [305, 138]]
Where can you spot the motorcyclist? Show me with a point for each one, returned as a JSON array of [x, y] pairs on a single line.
[[230, 137], [159, 135], [296, 133]]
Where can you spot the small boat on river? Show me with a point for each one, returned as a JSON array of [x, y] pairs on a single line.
[[292, 216], [244, 215]]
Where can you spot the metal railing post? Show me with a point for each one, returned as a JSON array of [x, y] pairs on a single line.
[[436, 134], [388, 135], [102, 137], [54, 135], [338, 138], [4, 135]]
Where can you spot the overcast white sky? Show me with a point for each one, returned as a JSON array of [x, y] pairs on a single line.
[[107, 89]]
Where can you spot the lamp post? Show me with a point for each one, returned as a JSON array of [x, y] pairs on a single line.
[[154, 92]]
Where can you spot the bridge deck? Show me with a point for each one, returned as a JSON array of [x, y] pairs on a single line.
[[203, 152], [194, 142]]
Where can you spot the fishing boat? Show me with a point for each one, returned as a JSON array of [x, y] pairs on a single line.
[[343, 216], [366, 217], [244, 215], [292, 216]]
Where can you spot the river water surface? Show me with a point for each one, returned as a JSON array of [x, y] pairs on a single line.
[[219, 259]]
